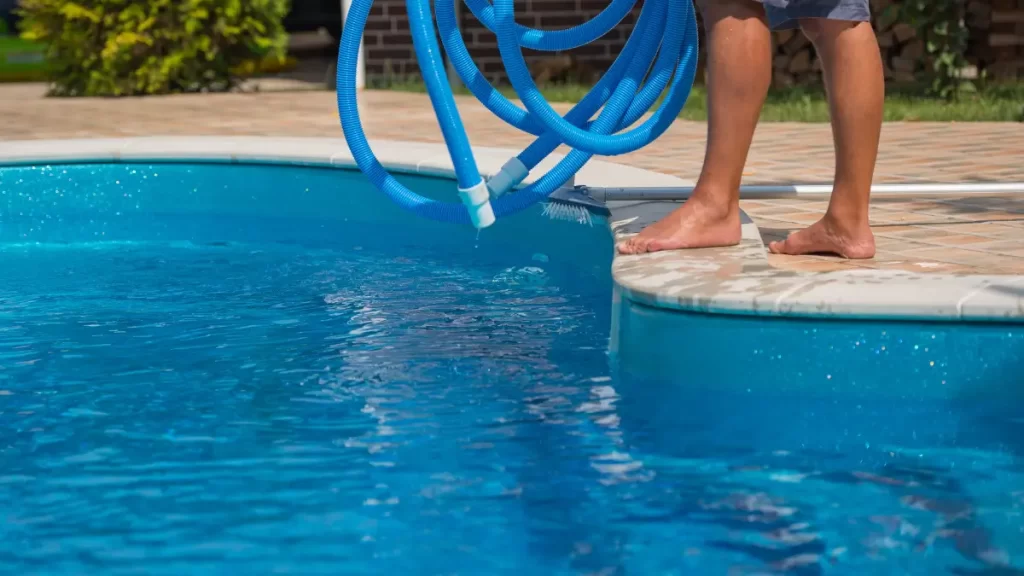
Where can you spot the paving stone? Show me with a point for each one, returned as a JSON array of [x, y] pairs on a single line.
[[781, 153]]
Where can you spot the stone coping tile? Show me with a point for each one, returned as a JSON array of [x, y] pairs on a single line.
[[735, 280], [426, 158], [1004, 299]]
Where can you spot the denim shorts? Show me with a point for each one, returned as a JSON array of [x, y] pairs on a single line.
[[783, 14]]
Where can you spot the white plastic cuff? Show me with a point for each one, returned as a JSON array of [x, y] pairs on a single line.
[[478, 201], [511, 175]]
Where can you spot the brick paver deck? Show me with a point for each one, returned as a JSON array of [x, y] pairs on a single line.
[[972, 234]]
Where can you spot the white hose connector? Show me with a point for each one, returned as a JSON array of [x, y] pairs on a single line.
[[511, 175], [478, 201]]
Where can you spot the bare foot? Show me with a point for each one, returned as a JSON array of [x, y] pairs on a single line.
[[695, 224], [826, 237]]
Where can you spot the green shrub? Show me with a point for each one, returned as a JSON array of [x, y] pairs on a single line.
[[940, 25], [138, 47]]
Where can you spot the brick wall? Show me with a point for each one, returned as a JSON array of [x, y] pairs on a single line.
[[390, 54], [387, 42], [548, 15], [997, 41]]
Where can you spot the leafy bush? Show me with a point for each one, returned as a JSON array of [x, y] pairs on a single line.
[[138, 47], [940, 24]]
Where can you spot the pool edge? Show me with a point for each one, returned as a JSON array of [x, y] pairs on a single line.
[[732, 280]]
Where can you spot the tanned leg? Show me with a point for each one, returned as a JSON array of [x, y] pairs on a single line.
[[856, 88], [739, 74]]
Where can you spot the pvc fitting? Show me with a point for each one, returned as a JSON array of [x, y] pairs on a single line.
[[478, 201], [511, 175]]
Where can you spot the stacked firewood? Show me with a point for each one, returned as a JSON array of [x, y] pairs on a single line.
[[997, 36], [795, 61], [903, 53], [996, 45]]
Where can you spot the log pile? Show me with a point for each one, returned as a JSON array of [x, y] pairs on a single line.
[[997, 28], [996, 45], [903, 54], [795, 61]]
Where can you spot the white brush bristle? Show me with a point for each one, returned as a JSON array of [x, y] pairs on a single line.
[[568, 212]]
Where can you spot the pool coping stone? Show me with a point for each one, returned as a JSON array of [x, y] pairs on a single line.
[[731, 280]]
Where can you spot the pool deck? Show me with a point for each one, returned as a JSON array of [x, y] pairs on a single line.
[[950, 256]]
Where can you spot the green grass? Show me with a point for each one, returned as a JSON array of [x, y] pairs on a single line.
[[993, 103], [17, 60]]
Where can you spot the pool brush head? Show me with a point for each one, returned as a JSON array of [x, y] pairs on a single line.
[[568, 212]]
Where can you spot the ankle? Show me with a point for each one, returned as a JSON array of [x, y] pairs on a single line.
[[847, 223], [715, 204]]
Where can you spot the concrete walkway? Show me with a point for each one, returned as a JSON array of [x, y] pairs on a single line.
[[972, 234]]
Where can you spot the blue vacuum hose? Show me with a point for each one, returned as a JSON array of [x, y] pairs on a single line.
[[661, 51]]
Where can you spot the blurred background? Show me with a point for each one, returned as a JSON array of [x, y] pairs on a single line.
[[946, 60]]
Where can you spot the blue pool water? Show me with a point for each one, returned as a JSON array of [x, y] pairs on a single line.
[[228, 369]]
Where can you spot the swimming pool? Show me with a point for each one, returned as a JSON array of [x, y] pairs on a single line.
[[246, 368]]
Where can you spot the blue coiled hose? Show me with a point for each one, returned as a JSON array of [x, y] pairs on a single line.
[[666, 29]]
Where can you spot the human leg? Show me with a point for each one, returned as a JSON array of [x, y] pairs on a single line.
[[739, 73], [855, 85]]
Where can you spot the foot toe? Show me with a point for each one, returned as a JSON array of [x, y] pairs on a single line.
[[662, 244], [638, 244], [629, 246], [641, 246], [801, 242]]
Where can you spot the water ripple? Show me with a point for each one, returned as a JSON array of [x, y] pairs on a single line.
[[237, 409]]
